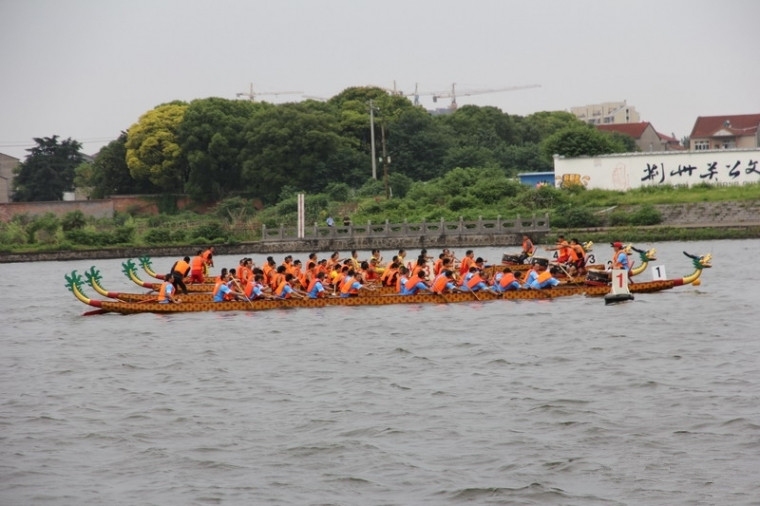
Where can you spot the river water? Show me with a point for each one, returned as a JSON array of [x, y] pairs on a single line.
[[569, 401]]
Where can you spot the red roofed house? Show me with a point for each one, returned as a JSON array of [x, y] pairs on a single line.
[[725, 132], [646, 137]]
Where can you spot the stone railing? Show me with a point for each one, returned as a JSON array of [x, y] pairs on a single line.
[[433, 231]]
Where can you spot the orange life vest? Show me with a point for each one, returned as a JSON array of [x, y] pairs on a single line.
[[280, 288], [474, 280], [439, 285], [464, 267], [162, 291], [196, 264], [346, 286], [182, 267], [312, 285], [506, 279]]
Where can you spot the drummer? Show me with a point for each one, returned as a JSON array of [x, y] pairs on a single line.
[[528, 248]]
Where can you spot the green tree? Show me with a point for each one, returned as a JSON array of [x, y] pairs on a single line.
[[300, 145], [418, 144], [523, 158], [584, 140], [153, 150], [48, 170], [538, 126], [108, 174], [627, 142], [486, 127], [212, 137]]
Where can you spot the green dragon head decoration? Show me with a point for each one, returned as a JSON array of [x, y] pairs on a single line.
[[703, 262], [93, 276], [73, 280], [128, 267]]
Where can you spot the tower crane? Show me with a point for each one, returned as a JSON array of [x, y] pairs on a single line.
[[250, 95], [466, 93]]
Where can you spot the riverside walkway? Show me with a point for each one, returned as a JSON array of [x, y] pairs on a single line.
[[439, 234]]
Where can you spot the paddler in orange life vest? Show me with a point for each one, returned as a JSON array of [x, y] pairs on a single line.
[[416, 283], [166, 291], [350, 285], [444, 282], [578, 264], [467, 261], [316, 289], [222, 291], [255, 289], [179, 271], [545, 278], [473, 282], [196, 268], [285, 289], [562, 248]]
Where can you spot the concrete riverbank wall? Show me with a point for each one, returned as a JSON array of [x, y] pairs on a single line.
[[386, 236]]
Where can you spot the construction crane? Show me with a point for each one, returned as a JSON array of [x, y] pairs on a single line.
[[250, 95], [453, 93]]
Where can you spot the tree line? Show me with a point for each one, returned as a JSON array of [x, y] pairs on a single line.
[[215, 148]]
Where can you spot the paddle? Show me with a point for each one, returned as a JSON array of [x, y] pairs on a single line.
[[240, 289], [443, 297]]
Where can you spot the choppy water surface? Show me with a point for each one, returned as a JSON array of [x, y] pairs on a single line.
[[567, 402]]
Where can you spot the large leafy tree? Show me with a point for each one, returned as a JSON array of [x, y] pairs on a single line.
[[108, 173], [536, 127], [48, 170], [212, 137], [523, 158], [296, 145], [581, 140], [153, 150], [486, 127], [418, 144]]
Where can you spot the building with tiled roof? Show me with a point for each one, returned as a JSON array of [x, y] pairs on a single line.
[[7, 164], [645, 136], [725, 132]]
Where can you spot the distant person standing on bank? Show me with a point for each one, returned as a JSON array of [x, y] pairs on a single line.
[[330, 221]]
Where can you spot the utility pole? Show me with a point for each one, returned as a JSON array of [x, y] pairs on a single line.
[[372, 137], [386, 161]]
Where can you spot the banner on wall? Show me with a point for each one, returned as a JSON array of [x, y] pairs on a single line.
[[625, 171]]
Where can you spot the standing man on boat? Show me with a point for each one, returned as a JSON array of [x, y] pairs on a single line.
[[196, 268], [179, 271], [208, 258]]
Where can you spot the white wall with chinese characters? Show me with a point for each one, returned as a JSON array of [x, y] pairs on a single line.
[[633, 170]]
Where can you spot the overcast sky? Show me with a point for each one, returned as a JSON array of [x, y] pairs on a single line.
[[88, 69]]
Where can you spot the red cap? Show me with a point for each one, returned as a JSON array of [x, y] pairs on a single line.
[[617, 244]]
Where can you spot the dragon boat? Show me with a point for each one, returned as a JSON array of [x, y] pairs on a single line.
[[203, 291], [148, 304]]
